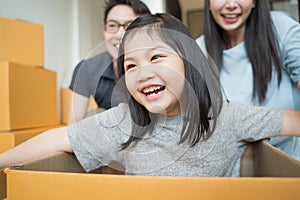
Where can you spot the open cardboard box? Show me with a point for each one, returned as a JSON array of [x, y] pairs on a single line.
[[267, 174]]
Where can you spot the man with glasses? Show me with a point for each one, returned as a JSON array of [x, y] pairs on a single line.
[[97, 76]]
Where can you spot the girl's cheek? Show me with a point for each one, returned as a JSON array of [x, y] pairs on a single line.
[[129, 81]]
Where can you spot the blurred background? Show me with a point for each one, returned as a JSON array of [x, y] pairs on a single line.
[[72, 28]]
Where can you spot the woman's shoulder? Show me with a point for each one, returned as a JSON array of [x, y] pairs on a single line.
[[282, 19], [281, 15], [285, 26]]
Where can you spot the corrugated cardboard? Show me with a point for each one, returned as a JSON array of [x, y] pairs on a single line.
[[66, 97], [21, 42], [28, 97], [22, 183], [261, 159], [10, 139], [2, 185]]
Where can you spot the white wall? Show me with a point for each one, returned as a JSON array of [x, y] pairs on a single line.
[[155, 6], [56, 16]]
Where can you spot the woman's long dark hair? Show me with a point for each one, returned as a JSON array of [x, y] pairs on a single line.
[[202, 99], [260, 41]]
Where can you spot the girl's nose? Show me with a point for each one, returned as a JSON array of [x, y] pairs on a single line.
[[145, 73]]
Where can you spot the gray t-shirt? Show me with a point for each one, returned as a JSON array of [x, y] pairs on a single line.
[[96, 141]]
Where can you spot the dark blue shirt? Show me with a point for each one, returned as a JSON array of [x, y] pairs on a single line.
[[95, 76]]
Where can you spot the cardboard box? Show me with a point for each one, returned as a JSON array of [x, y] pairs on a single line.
[[21, 42], [61, 177], [10, 139], [66, 98], [28, 97]]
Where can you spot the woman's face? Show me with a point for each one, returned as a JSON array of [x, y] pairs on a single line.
[[154, 74], [118, 15], [231, 15]]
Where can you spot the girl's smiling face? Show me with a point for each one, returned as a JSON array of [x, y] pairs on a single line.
[[154, 74]]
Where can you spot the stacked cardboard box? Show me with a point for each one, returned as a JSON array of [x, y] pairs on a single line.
[[21, 42], [28, 91]]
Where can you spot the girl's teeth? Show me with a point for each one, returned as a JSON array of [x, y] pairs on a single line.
[[151, 89], [153, 94]]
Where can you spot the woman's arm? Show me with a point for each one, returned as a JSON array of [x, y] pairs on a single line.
[[291, 123], [49, 142]]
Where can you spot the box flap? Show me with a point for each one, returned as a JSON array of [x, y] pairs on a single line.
[[60, 162], [66, 162], [271, 162], [261, 159]]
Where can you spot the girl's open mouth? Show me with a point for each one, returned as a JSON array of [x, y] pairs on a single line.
[[153, 90]]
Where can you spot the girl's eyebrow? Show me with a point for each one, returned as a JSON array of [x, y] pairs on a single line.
[[150, 49]]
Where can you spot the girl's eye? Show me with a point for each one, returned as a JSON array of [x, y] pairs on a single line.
[[155, 57], [128, 67]]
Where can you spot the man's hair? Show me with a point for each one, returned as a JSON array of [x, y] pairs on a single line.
[[138, 6]]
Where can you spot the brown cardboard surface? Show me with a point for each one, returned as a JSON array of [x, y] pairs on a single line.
[[66, 97], [2, 185], [260, 159], [270, 161], [21, 42], [28, 97], [44, 185], [60, 176], [10, 139]]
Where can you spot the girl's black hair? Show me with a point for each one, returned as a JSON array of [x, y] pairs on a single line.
[[260, 41], [202, 99]]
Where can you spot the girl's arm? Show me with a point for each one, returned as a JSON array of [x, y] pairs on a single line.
[[291, 123], [49, 142]]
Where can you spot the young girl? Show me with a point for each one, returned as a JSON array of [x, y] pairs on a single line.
[[174, 123]]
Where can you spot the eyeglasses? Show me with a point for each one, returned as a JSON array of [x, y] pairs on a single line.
[[113, 26]]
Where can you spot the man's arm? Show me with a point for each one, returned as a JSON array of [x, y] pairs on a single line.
[[78, 107]]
